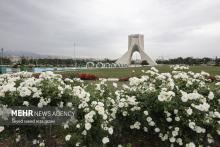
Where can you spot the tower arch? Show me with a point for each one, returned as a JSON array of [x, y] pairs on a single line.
[[135, 43]]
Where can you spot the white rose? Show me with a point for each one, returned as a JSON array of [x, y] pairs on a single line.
[[175, 111], [125, 113], [88, 126], [78, 126], [115, 85], [149, 119], [78, 143], [2, 128], [179, 141], [121, 104], [184, 98], [69, 104], [104, 116], [110, 130], [146, 113], [177, 118], [66, 125], [42, 144], [169, 119], [18, 138], [192, 125], [177, 129], [191, 144], [67, 138], [157, 130], [152, 123], [145, 129], [211, 95], [34, 141], [189, 111], [40, 105], [26, 103], [172, 139], [105, 140], [84, 133], [174, 133]]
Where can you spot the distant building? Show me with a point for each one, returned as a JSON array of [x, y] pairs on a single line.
[[15, 59]]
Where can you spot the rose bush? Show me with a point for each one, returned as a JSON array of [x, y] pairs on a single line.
[[180, 108]]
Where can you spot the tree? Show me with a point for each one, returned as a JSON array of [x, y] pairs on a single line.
[[144, 62], [217, 61]]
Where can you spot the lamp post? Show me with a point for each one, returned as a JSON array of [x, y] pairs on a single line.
[[74, 50]]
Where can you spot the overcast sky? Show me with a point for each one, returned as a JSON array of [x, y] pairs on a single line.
[[171, 28]]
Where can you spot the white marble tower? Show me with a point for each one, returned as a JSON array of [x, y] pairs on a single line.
[[135, 43]]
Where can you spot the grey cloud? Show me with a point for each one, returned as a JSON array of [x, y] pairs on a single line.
[[100, 28]]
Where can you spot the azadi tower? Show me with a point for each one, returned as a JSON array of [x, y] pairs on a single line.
[[135, 43]]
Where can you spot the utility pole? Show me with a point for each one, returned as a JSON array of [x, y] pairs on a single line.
[[2, 69], [75, 53], [77, 45], [2, 50], [74, 45]]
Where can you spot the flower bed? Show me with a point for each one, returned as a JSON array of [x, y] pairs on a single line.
[[84, 76], [180, 108], [211, 78], [124, 79]]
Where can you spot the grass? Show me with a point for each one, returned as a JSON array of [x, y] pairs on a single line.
[[136, 71]]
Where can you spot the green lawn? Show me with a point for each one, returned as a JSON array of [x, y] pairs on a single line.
[[136, 71]]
